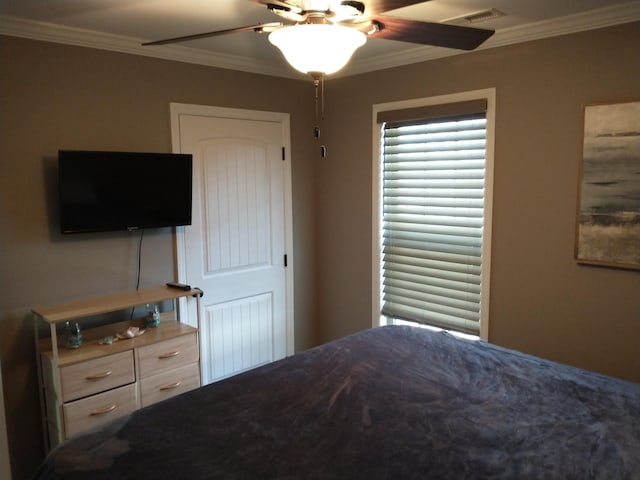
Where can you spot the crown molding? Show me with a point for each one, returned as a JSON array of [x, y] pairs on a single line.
[[49, 32], [593, 19], [590, 20]]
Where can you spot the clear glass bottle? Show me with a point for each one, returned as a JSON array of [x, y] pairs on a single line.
[[73, 335], [153, 317]]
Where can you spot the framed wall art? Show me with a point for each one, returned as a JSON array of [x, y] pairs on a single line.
[[608, 224]]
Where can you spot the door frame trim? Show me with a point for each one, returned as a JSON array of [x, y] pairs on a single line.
[[179, 109]]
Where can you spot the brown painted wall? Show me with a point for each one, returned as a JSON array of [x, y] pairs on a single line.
[[55, 96], [542, 302]]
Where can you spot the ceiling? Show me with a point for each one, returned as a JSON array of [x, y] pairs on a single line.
[[122, 25]]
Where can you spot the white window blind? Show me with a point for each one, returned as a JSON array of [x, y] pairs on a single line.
[[433, 172]]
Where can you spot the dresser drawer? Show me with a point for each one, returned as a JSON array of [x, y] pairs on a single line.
[[98, 409], [93, 376], [169, 384], [173, 353]]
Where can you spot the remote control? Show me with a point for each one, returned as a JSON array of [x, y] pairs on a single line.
[[181, 286]]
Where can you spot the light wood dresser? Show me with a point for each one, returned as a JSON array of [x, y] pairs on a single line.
[[84, 387]]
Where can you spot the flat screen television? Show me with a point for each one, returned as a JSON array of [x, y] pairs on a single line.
[[108, 191]]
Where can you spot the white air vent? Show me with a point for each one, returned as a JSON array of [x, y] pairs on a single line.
[[475, 17]]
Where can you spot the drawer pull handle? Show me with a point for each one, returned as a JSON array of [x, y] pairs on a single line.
[[103, 410], [171, 386], [169, 354], [98, 376]]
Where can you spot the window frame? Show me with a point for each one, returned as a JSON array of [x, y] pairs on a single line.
[[489, 95]]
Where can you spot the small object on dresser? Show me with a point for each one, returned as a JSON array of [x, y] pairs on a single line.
[[153, 317], [73, 336], [131, 332], [108, 340]]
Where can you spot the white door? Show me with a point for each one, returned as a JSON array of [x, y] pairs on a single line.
[[241, 231]]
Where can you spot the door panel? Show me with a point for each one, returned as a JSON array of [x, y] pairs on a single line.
[[241, 334], [236, 190]]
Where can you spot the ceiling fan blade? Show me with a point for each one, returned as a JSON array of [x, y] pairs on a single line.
[[374, 7], [262, 27], [279, 3], [427, 33]]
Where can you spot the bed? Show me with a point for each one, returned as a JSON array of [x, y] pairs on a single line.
[[393, 402]]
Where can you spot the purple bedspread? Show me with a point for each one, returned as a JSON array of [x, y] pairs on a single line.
[[387, 403]]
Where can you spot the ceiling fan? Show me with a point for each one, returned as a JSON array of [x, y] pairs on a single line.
[[325, 33]]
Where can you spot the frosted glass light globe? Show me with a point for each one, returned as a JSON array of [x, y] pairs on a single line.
[[317, 48]]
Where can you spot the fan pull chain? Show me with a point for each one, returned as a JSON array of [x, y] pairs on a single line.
[[315, 84], [322, 98], [318, 82]]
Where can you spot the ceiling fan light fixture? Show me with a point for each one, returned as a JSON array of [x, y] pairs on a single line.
[[317, 48]]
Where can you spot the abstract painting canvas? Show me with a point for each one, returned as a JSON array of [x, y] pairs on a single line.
[[608, 230]]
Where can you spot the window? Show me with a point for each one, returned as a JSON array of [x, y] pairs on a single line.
[[435, 176]]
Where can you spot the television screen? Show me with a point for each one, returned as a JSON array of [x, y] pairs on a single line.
[[106, 191]]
